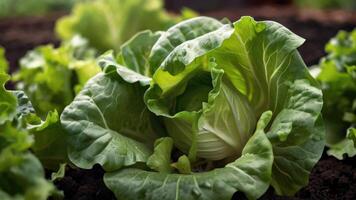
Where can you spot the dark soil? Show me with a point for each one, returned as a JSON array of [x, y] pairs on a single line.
[[330, 179], [19, 35], [79, 184]]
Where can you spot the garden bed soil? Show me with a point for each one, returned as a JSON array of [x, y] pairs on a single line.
[[21, 34], [330, 179]]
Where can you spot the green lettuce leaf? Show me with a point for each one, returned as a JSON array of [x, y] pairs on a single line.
[[113, 134], [113, 128]]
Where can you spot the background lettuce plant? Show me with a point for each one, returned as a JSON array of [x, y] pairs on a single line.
[[22, 175], [48, 141], [107, 24], [338, 80], [201, 110], [50, 76]]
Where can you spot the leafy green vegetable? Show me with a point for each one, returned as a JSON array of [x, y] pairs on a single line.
[[201, 110], [338, 79], [50, 76], [22, 175], [117, 20], [261, 74]]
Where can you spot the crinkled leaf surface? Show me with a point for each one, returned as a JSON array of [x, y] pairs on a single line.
[[109, 124], [297, 136]]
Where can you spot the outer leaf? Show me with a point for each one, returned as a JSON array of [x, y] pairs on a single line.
[[109, 124], [178, 34], [249, 174], [302, 141]]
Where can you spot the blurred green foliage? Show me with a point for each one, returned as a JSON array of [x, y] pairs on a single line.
[[327, 4], [10, 8], [107, 24], [338, 81]]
